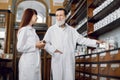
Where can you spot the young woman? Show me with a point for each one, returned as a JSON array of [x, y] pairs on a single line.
[[29, 44]]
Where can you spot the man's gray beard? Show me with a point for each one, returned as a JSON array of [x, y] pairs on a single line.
[[59, 23]]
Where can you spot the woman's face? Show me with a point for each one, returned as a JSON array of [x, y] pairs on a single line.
[[34, 19]]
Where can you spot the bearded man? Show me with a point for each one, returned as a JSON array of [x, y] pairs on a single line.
[[61, 41]]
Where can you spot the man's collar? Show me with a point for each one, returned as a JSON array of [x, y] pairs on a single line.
[[63, 28]]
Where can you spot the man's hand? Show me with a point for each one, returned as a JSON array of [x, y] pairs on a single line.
[[40, 44], [57, 51]]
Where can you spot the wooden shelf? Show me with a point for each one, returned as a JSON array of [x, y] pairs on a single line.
[[101, 75], [107, 10], [85, 9], [76, 12], [68, 5], [78, 4], [81, 14], [75, 1], [80, 17], [82, 28], [106, 28], [95, 3]]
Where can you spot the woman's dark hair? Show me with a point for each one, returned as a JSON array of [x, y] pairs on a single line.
[[27, 16], [65, 12]]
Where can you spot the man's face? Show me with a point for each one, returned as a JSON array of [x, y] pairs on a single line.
[[60, 17]]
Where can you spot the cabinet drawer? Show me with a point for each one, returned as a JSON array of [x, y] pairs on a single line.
[[77, 67], [87, 58], [94, 58], [114, 69], [81, 76], [87, 77], [77, 76], [94, 78], [104, 56], [103, 69], [77, 60], [81, 67], [115, 55], [87, 68], [82, 59], [94, 68]]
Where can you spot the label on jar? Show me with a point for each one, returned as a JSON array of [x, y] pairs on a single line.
[[102, 45]]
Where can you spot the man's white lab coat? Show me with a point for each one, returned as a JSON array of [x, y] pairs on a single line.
[[29, 63], [63, 65]]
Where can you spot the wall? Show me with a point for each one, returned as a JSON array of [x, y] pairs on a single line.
[[114, 33], [54, 7], [7, 5]]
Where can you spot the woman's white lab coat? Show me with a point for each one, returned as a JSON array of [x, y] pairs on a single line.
[[29, 63], [63, 65]]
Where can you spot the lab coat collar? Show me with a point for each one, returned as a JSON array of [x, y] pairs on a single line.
[[30, 27], [66, 25]]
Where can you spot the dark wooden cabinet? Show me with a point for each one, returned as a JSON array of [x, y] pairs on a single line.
[[81, 9], [100, 65], [7, 64], [6, 27]]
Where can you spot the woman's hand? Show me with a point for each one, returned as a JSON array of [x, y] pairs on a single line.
[[40, 44], [100, 41]]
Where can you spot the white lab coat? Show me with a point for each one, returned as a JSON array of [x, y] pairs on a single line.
[[63, 65], [29, 63]]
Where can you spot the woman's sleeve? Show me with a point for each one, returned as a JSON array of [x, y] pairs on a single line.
[[23, 44]]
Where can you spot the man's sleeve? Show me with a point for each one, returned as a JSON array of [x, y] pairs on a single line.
[[85, 41]]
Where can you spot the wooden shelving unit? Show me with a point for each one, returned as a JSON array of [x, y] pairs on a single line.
[[76, 11], [102, 14], [5, 24], [93, 66], [106, 28], [82, 28], [107, 10], [7, 66]]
